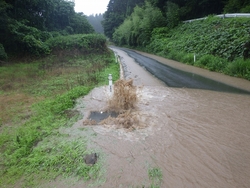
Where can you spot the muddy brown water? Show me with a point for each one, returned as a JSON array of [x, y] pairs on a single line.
[[198, 138]]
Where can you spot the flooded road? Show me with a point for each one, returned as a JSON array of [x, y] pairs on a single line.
[[173, 77], [196, 137]]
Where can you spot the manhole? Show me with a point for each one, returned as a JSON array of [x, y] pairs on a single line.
[[99, 116]]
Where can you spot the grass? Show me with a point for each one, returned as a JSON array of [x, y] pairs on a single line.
[[35, 98], [155, 175]]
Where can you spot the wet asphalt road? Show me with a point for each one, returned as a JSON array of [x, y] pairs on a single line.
[[180, 79]]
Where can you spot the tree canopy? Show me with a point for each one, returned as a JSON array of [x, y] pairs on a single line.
[[26, 24], [136, 29], [173, 11], [116, 13]]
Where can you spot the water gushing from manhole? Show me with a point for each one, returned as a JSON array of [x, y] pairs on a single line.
[[100, 116]]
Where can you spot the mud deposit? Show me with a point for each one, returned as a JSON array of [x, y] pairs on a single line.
[[197, 138]]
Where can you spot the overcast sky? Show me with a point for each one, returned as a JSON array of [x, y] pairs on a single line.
[[89, 7]]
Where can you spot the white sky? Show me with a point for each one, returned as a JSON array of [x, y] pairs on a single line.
[[89, 7]]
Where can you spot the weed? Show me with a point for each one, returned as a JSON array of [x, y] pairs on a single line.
[[211, 63], [239, 68], [188, 59], [155, 175]]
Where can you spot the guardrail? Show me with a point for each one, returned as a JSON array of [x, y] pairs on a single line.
[[247, 15]]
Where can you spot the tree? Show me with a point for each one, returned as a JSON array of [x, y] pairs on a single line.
[[116, 13], [173, 14], [233, 6], [25, 25], [136, 29]]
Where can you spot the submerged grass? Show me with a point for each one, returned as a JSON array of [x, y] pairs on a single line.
[[155, 175], [34, 100]]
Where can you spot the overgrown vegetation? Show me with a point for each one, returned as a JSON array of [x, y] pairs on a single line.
[[173, 11], [26, 25], [220, 45], [136, 29], [36, 99]]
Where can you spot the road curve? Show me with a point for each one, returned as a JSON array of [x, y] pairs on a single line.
[[173, 77]]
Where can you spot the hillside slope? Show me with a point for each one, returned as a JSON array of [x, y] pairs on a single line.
[[220, 45]]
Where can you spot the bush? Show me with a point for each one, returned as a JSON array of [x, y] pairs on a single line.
[[84, 42], [175, 55], [211, 63], [188, 59], [3, 55], [27, 39], [35, 46], [239, 68]]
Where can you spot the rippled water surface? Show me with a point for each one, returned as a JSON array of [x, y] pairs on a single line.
[[197, 138]]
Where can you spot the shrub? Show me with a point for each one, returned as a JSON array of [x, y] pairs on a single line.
[[175, 55], [35, 46], [188, 59], [85, 42], [211, 63], [239, 68], [3, 55]]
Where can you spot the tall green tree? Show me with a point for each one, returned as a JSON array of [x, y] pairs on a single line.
[[25, 24], [192, 8], [234, 6], [136, 29], [116, 13]]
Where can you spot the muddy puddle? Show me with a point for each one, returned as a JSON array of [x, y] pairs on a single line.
[[197, 138]]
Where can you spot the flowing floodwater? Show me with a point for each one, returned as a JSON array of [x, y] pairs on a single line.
[[197, 138]]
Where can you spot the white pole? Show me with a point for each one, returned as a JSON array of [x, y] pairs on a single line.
[[194, 57], [110, 82]]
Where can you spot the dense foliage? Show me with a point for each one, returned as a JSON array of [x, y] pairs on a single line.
[[26, 25], [219, 44], [85, 43], [174, 11], [116, 13], [224, 38], [136, 29]]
